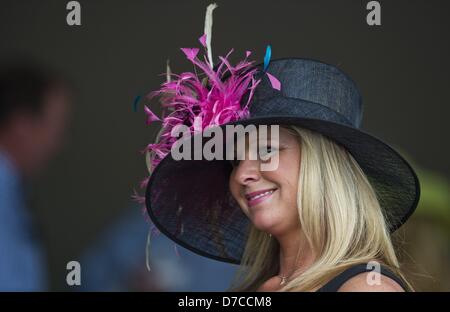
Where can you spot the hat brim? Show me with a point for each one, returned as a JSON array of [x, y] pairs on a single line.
[[189, 200]]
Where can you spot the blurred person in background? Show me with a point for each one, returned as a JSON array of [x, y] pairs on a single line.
[[121, 248], [34, 104]]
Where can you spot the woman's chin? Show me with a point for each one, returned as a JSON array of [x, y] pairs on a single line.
[[263, 221]]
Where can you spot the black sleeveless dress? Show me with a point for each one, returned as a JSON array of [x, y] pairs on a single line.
[[334, 284]]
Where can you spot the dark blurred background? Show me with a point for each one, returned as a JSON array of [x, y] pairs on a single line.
[[401, 67]]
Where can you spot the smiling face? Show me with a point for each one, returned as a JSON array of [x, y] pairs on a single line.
[[269, 198]]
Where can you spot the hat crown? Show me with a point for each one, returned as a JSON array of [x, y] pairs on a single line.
[[309, 82]]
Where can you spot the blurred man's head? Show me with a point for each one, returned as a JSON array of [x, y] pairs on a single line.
[[34, 105]]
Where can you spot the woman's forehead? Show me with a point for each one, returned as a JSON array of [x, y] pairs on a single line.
[[279, 133]]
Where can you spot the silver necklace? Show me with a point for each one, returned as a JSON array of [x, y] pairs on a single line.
[[283, 279]]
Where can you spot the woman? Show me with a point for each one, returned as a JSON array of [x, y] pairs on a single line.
[[324, 220], [340, 223]]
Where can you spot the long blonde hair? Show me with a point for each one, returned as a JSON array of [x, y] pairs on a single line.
[[340, 217]]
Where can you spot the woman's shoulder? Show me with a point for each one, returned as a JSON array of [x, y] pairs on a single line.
[[365, 277], [362, 282]]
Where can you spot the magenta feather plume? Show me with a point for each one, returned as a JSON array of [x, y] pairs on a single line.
[[206, 94]]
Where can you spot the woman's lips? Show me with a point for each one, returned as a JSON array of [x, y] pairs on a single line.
[[256, 199]]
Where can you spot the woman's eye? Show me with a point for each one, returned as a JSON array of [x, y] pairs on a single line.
[[268, 150], [264, 152]]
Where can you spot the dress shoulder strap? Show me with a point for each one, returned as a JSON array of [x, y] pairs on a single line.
[[334, 284]]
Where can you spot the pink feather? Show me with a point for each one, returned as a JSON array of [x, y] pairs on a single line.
[[190, 53], [151, 117], [276, 84], [202, 40], [201, 99]]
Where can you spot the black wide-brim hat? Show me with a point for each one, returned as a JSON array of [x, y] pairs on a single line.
[[190, 201]]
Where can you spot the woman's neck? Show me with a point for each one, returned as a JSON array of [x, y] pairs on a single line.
[[295, 253]]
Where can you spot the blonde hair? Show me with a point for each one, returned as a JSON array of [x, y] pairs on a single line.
[[340, 217]]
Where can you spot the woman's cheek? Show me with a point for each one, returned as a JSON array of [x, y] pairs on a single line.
[[235, 193]]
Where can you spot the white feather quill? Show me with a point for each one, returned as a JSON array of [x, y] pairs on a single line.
[[208, 30]]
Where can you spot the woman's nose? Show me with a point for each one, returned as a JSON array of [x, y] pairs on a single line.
[[247, 171]]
